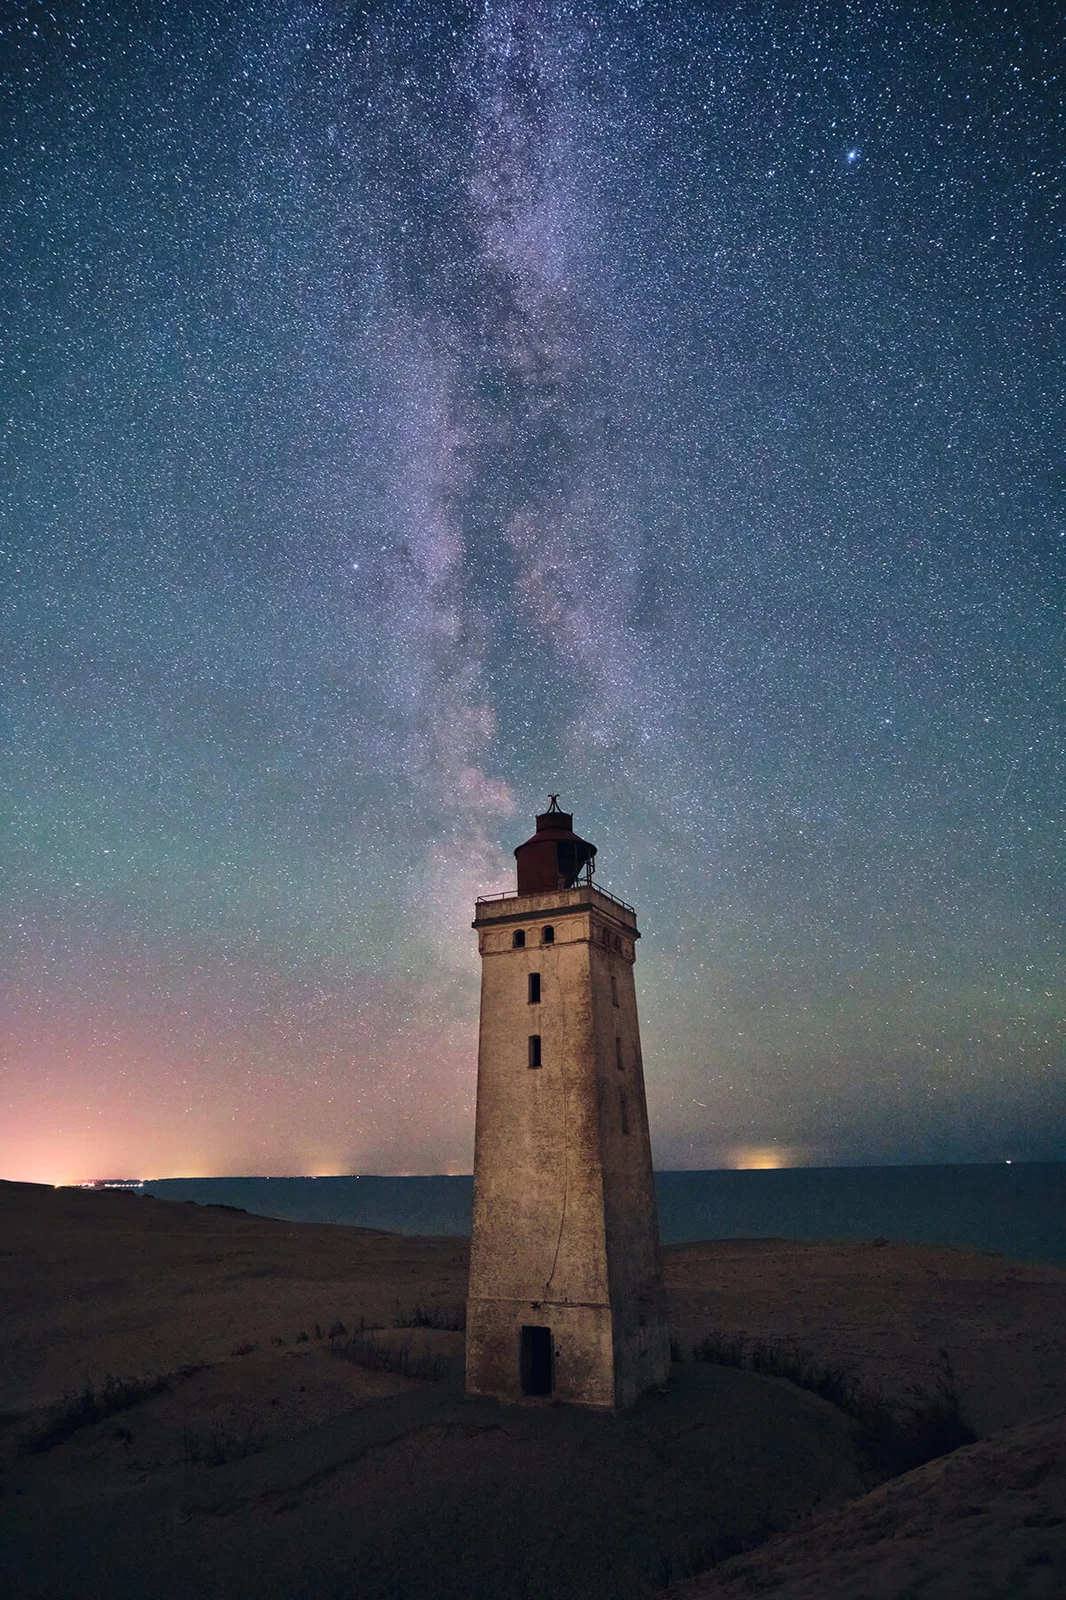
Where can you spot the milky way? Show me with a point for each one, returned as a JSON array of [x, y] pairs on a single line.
[[410, 410]]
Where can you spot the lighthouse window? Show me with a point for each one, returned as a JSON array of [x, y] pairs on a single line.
[[534, 1049], [534, 988], [547, 936], [614, 990], [624, 1110], [619, 1063], [518, 938]]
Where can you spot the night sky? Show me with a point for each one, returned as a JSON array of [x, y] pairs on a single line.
[[411, 409]]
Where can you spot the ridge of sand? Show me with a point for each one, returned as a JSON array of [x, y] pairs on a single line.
[[887, 1310], [986, 1521]]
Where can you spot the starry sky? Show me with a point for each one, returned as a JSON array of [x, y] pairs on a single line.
[[409, 409]]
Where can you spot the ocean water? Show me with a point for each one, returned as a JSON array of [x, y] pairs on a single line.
[[1018, 1210]]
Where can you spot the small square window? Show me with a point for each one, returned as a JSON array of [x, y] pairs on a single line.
[[518, 938], [534, 1049], [534, 988]]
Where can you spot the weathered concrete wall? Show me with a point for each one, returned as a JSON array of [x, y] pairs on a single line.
[[564, 1212], [583, 1342], [641, 1338]]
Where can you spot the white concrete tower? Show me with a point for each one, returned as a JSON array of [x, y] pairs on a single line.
[[565, 1294]]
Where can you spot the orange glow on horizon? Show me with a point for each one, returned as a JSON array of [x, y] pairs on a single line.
[[763, 1158]]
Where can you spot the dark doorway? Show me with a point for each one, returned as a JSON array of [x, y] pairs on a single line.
[[536, 1360]]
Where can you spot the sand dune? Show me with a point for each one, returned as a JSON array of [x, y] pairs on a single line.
[[989, 1520], [257, 1461]]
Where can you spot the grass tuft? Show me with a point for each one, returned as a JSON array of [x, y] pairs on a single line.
[[92, 1405], [363, 1350], [451, 1319]]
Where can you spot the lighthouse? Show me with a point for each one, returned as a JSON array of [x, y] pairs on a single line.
[[565, 1297]]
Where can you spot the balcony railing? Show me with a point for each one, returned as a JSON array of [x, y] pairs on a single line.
[[512, 894]]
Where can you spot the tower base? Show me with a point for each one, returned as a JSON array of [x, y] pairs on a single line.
[[539, 1350]]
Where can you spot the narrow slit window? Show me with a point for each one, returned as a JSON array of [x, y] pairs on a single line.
[[518, 938], [534, 1049], [614, 990], [624, 1109], [619, 1063], [548, 936], [534, 988]]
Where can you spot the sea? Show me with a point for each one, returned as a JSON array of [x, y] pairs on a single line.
[[1017, 1210]]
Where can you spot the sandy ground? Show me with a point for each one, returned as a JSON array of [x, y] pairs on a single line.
[[267, 1465], [888, 1310], [989, 1520]]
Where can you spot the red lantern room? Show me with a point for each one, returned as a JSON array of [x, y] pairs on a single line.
[[555, 858]]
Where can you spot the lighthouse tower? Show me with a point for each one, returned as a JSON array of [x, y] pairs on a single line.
[[565, 1295]]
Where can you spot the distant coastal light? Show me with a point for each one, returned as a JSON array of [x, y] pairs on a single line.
[[763, 1158], [105, 1183]]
